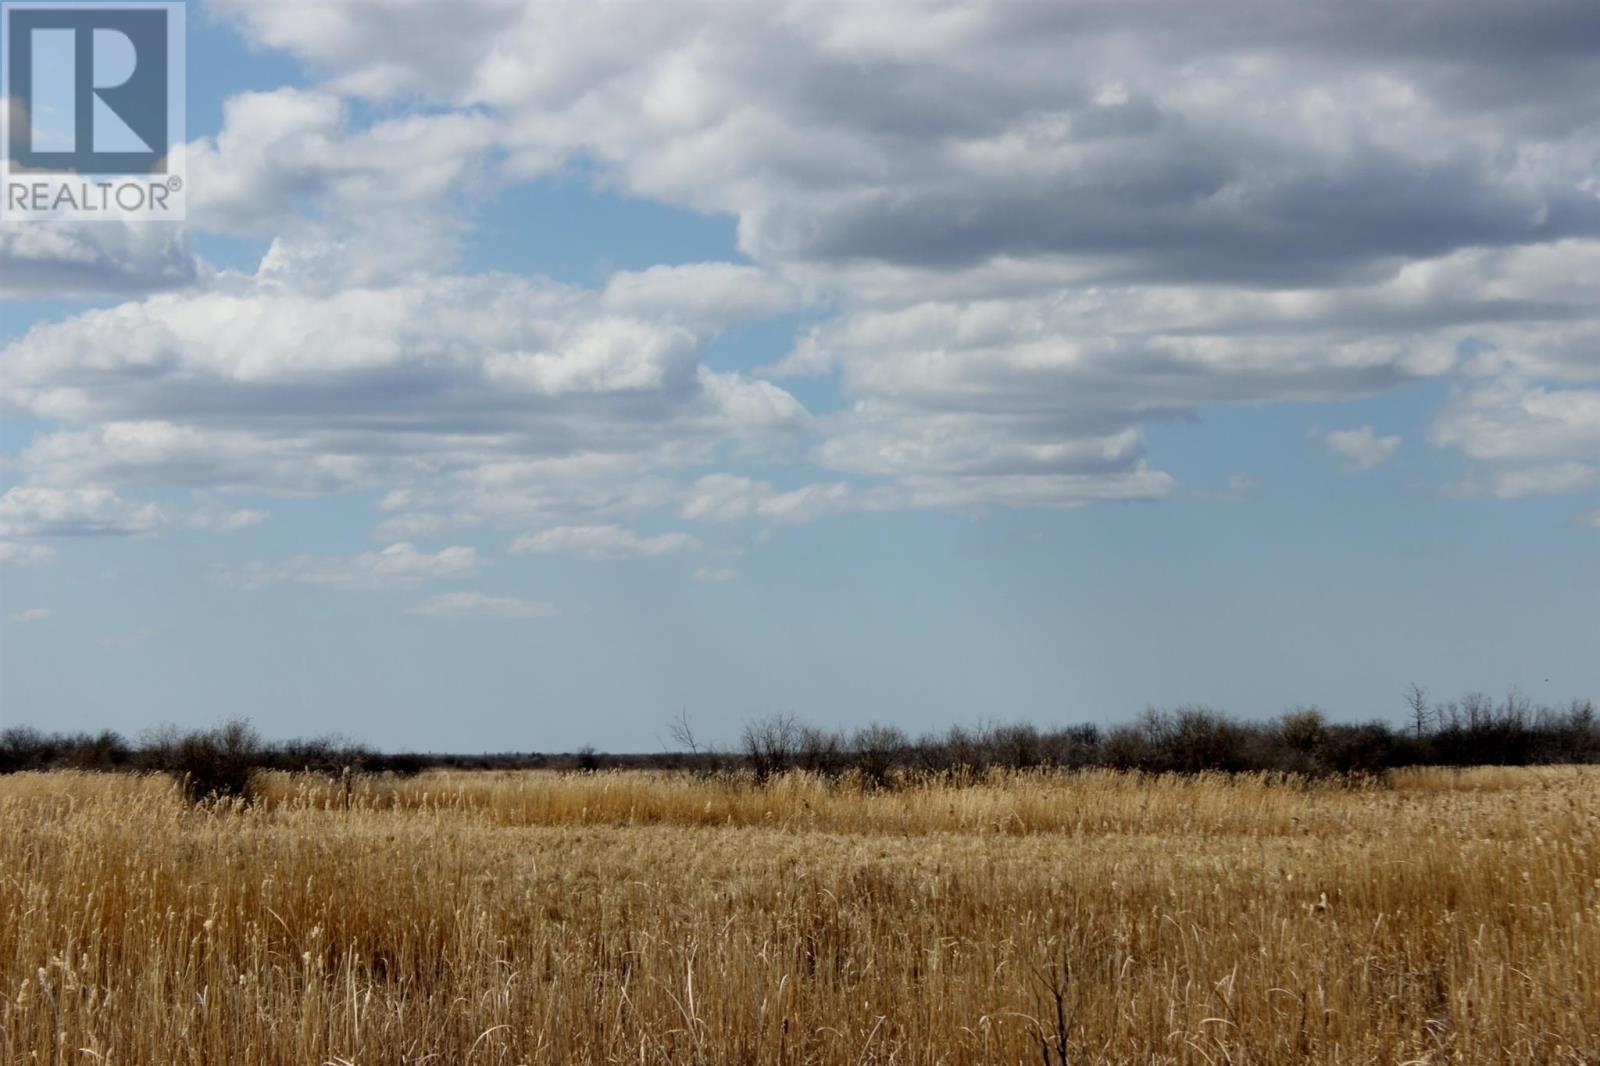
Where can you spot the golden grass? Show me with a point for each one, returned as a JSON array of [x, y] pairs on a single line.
[[534, 918]]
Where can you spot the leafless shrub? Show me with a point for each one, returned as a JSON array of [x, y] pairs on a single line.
[[770, 744]]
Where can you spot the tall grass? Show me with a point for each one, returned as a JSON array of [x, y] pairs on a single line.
[[1437, 916]]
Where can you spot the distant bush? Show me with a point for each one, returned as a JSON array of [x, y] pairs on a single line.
[[876, 751], [105, 750], [22, 748], [1359, 749], [1304, 731], [211, 763], [772, 744]]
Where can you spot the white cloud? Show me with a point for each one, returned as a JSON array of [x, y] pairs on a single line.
[[94, 260], [37, 511], [286, 151], [1361, 448], [159, 452], [727, 497], [1531, 439], [715, 574], [953, 458], [602, 543], [326, 392], [1511, 421], [607, 355], [32, 614], [700, 294], [721, 498], [345, 207], [978, 492], [481, 605], [397, 566], [805, 504]]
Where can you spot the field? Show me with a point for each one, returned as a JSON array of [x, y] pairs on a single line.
[[456, 917]]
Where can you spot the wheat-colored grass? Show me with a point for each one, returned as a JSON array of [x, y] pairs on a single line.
[[648, 918]]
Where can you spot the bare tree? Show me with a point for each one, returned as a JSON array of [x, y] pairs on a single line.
[[1417, 700], [682, 732], [1056, 1042]]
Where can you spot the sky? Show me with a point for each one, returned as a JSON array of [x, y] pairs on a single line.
[[528, 372]]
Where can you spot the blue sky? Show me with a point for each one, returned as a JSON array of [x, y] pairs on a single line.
[[525, 373]]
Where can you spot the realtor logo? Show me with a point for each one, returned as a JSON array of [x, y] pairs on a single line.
[[94, 116]]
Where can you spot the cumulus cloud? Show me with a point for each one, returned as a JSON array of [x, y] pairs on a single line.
[[1532, 439], [94, 260], [602, 543], [1361, 448], [702, 295], [320, 392], [480, 605], [38, 511], [1516, 422], [345, 206], [288, 151], [30, 513]]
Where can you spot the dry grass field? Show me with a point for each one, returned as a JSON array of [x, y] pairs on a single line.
[[460, 918]]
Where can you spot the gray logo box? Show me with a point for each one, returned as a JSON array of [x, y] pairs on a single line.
[[94, 122]]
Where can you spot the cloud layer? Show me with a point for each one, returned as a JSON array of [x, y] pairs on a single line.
[[1047, 224], [1024, 233]]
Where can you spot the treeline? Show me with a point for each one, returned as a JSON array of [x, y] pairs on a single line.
[[1471, 731], [226, 755], [207, 761]]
